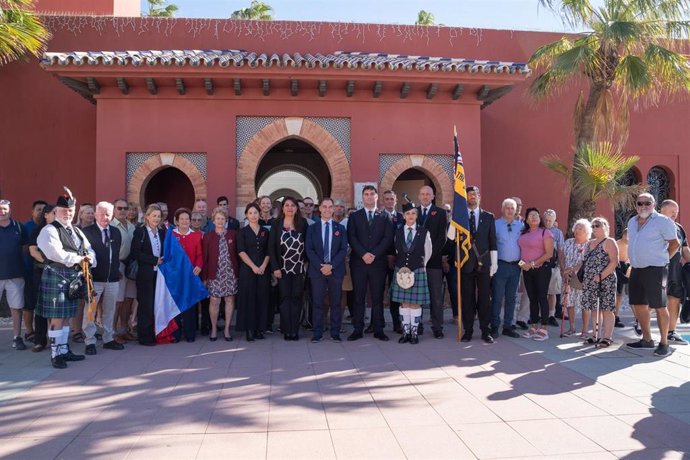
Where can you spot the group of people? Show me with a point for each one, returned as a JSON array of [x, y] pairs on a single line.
[[287, 254]]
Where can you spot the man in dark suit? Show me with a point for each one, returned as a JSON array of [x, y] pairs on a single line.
[[326, 246], [396, 218], [435, 221], [370, 235], [232, 223], [105, 241], [475, 284]]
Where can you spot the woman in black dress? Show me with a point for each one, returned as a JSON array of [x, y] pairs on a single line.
[[147, 250], [288, 262], [252, 247]]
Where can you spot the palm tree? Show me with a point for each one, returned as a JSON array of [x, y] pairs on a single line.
[[597, 173], [159, 9], [425, 18], [628, 54], [21, 31], [257, 11]]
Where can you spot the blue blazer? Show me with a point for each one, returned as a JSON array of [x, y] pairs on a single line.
[[314, 245]]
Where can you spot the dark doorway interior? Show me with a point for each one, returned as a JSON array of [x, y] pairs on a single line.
[[171, 186]]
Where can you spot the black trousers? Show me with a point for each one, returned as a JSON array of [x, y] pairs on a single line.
[[291, 289], [40, 323], [146, 291], [394, 307], [273, 304], [537, 287], [320, 287], [372, 276], [475, 290], [186, 324], [435, 279], [205, 325], [252, 300]]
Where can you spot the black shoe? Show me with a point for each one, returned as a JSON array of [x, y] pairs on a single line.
[[113, 345], [637, 328], [618, 322], [522, 325], [661, 350], [641, 344], [287, 337], [369, 329], [494, 332], [486, 337], [58, 362], [213, 339], [153, 344], [191, 339], [69, 356], [250, 336], [466, 337], [90, 349], [510, 333], [336, 338], [354, 336], [438, 334], [398, 329], [295, 337], [258, 335], [18, 343], [228, 338], [414, 339], [381, 336], [552, 321], [405, 338], [315, 339]]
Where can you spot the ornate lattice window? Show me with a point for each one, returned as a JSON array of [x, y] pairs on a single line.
[[624, 215], [659, 184]]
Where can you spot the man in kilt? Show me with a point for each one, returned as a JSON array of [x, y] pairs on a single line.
[[65, 247], [413, 249]]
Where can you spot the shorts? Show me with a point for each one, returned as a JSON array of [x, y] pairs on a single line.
[[127, 288], [675, 289], [648, 286], [556, 283], [15, 292]]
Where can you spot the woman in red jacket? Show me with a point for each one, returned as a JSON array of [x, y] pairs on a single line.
[[191, 243], [220, 270]]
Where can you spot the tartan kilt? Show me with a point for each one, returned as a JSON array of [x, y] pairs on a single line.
[[417, 294], [51, 303]]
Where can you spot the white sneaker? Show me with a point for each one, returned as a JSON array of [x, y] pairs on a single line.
[[541, 335]]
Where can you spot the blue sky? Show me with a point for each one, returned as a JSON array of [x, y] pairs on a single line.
[[494, 14]]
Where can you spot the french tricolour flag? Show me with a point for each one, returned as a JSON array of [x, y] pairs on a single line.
[[177, 288]]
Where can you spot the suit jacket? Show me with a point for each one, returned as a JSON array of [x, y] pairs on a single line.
[[484, 239], [142, 250], [104, 272], [376, 238], [398, 221], [211, 253], [314, 245], [437, 224]]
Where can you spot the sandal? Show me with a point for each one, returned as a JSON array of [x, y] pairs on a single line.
[[605, 343], [569, 333], [584, 336], [78, 337], [591, 340], [30, 337]]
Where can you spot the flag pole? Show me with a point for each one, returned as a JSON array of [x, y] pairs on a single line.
[[457, 262]]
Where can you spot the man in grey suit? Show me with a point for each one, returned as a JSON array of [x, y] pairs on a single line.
[[478, 269]]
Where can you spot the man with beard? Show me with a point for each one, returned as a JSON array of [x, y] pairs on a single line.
[[652, 242], [65, 248]]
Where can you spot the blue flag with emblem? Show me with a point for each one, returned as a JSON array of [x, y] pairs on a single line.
[[461, 218]]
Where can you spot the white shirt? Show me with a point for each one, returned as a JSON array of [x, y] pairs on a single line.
[[110, 248], [155, 241], [427, 242], [49, 243], [477, 211]]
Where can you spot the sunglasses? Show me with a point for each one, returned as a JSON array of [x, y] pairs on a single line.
[[510, 227], [309, 204], [197, 220], [596, 225], [644, 203], [121, 208]]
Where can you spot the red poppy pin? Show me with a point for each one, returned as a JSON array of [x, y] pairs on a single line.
[[337, 233], [262, 234], [433, 213]]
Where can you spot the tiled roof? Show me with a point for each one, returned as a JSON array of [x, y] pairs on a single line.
[[239, 58]]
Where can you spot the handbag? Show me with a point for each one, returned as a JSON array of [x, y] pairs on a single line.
[[405, 278], [77, 288], [581, 271], [132, 265]]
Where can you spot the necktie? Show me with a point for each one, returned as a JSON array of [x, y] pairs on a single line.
[[106, 238], [473, 224], [326, 244], [409, 237], [371, 217], [69, 231], [423, 215]]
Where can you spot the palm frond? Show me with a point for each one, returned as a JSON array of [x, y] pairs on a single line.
[[21, 31], [670, 69], [557, 165], [597, 170], [633, 74], [546, 54], [573, 12]]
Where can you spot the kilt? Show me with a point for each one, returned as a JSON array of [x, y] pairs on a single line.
[[417, 294], [53, 301]]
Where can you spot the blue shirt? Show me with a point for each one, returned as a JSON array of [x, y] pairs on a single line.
[[507, 236], [558, 239], [12, 238], [648, 246]]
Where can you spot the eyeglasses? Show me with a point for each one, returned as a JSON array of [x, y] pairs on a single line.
[[644, 203], [4, 202], [309, 204], [510, 227], [197, 220], [121, 208], [597, 225]]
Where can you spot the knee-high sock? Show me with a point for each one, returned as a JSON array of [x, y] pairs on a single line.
[[405, 315], [54, 338], [64, 340], [415, 318]]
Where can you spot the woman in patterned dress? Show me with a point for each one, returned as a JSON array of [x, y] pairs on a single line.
[[220, 270], [599, 284], [570, 257], [288, 262], [413, 250]]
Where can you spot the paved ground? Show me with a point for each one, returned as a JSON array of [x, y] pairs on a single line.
[[368, 399]]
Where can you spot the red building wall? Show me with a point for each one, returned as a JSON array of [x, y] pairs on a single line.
[[43, 121]]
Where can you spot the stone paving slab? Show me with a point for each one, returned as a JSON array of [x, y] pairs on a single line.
[[368, 399]]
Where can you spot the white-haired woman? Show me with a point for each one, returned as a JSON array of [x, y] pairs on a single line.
[[569, 258], [599, 285]]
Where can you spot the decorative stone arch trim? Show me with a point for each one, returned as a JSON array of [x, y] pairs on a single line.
[[295, 168], [136, 188], [439, 177], [293, 128]]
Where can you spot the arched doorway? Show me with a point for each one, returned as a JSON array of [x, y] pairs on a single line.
[[409, 182], [622, 215], [171, 186], [294, 166]]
